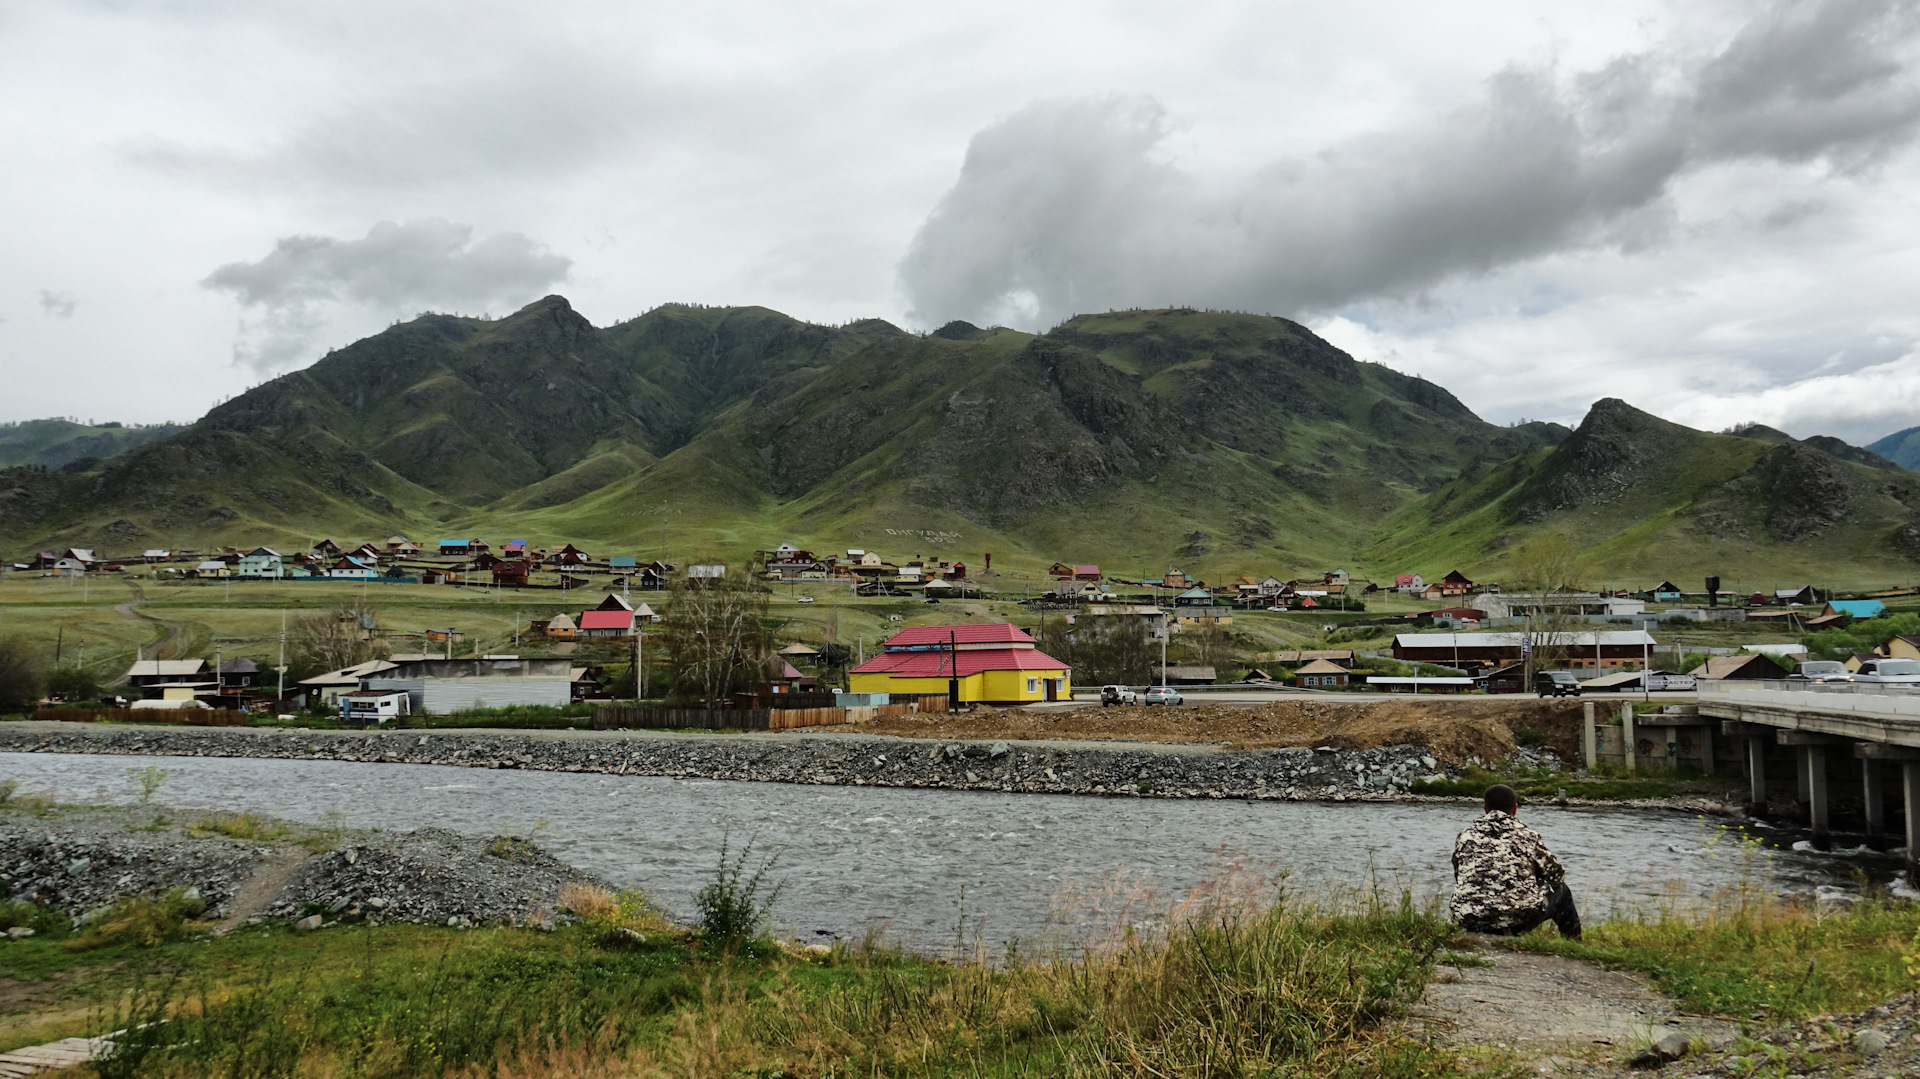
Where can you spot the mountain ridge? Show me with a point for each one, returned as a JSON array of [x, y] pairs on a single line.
[[1220, 442]]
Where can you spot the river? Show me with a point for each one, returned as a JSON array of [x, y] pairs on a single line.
[[929, 868]]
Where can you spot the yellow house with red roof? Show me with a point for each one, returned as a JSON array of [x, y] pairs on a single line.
[[992, 663]]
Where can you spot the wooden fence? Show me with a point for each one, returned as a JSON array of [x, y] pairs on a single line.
[[192, 717], [610, 716]]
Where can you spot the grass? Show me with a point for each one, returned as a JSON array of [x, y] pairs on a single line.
[[1759, 957], [1283, 988], [1603, 784]]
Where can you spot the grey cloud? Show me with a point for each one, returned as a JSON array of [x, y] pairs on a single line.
[[57, 304], [395, 268], [1067, 205], [517, 122]]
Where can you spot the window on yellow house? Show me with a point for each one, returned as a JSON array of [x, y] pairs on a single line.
[[1033, 685]]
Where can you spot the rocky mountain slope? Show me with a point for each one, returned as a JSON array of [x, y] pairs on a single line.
[[1900, 447], [1143, 436], [1640, 495], [1220, 443]]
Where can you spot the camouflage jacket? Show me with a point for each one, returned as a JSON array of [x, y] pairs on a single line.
[[1503, 874]]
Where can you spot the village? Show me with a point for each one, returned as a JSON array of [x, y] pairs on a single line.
[[1069, 633]]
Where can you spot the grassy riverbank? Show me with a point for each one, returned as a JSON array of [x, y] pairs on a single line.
[[1287, 989]]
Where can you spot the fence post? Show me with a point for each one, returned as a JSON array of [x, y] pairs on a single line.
[[1628, 744], [1590, 737]]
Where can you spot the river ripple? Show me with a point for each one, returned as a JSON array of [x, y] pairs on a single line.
[[927, 867]]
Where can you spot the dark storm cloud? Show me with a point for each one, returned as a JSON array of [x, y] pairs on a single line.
[[397, 268], [1066, 205]]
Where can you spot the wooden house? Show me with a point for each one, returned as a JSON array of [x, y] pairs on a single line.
[[568, 555], [1455, 583], [1321, 674], [510, 573]]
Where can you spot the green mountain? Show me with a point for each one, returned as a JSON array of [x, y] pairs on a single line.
[[1900, 447], [59, 443], [1212, 441], [1642, 496], [1218, 443]]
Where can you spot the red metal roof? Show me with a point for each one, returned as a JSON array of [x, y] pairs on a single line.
[[942, 665], [974, 633], [606, 620]]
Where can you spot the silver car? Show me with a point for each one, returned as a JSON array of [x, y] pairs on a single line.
[[1162, 695], [1821, 670], [1890, 672]]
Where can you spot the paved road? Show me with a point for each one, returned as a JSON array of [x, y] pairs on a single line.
[[1250, 697]]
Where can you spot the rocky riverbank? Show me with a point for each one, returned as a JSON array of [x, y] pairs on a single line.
[[81, 858], [1121, 769], [1171, 771]]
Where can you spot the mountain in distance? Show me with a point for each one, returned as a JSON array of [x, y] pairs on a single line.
[[1140, 438], [1900, 447], [1642, 495], [59, 443], [1220, 443]]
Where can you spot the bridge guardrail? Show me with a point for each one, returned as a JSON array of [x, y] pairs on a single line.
[[1863, 699]]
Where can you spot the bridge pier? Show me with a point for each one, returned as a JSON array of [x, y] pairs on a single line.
[[1590, 737], [1811, 775], [1874, 796], [1757, 773], [1872, 756], [1630, 744]]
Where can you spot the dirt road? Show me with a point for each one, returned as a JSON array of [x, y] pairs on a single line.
[[1453, 728], [173, 634]]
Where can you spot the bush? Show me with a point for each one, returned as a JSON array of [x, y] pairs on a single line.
[[140, 921], [731, 906], [19, 675], [248, 826], [73, 684], [18, 913]]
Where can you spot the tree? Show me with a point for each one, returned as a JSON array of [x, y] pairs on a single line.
[[329, 640], [1102, 649], [1545, 566], [19, 675], [73, 684], [716, 637]]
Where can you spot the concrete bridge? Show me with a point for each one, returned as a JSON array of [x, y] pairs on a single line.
[[1850, 744]]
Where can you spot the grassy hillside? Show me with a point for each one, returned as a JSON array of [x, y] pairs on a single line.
[[57, 443], [1642, 497], [1214, 442], [1900, 447], [1219, 443]]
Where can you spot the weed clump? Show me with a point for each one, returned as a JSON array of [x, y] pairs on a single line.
[[735, 905], [247, 825], [140, 921]]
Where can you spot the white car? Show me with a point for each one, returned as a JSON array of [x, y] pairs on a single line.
[[169, 706], [804, 599], [1820, 670], [1118, 695], [1889, 672]]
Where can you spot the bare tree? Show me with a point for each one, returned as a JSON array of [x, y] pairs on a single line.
[[716, 636], [1545, 567], [330, 640]]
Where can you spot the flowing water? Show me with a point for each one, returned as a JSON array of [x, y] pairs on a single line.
[[928, 868]]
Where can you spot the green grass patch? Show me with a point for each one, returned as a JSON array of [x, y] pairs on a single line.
[[1760, 957], [1280, 990], [1606, 785]]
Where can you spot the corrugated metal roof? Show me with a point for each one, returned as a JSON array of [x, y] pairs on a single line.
[[1567, 639], [972, 633], [944, 664], [165, 668], [606, 620]]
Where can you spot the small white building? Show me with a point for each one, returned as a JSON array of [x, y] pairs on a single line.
[[439, 687], [374, 706], [261, 563], [212, 567]]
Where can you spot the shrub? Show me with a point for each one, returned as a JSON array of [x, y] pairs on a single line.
[[732, 906], [140, 921], [248, 825]]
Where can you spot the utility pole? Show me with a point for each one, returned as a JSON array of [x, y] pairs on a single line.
[[281, 692], [639, 671]]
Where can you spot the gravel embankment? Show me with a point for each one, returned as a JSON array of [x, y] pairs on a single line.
[[78, 859], [1051, 767]]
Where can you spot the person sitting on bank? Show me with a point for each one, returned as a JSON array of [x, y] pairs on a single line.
[[1506, 881]]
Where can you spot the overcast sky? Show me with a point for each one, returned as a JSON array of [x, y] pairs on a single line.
[[1710, 209]]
